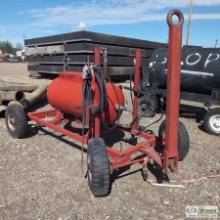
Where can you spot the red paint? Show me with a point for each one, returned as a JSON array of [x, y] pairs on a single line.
[[50, 120], [69, 102], [173, 89], [137, 78], [65, 94]]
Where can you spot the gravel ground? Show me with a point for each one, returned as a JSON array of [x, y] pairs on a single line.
[[41, 176]]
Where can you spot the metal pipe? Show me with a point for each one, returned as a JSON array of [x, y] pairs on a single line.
[[137, 77], [31, 98], [11, 96]]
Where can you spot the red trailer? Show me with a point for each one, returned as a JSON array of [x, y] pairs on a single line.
[[86, 102], [3, 58]]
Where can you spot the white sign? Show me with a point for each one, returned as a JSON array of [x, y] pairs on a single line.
[[206, 212]]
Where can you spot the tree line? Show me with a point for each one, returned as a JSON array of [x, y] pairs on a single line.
[[7, 47]]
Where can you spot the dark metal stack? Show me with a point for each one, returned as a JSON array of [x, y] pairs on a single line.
[[53, 54]]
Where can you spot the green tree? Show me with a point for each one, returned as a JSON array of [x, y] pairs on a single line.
[[7, 47]]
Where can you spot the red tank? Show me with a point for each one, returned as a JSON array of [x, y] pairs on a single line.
[[65, 94]]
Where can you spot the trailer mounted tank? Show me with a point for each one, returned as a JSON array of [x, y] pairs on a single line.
[[200, 82]]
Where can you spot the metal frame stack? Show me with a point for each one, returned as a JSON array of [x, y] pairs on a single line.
[[69, 52]]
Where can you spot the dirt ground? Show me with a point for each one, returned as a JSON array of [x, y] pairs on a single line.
[[41, 178]]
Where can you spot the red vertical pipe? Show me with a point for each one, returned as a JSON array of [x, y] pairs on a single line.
[[173, 89], [97, 56], [137, 78], [97, 117]]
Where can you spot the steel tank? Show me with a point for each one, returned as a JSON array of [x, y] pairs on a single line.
[[65, 94], [200, 69]]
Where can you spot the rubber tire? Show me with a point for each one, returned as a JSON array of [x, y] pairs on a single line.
[[21, 121], [206, 122], [99, 168], [183, 139], [151, 106]]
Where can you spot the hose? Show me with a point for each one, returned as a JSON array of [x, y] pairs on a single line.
[[154, 122], [87, 99], [101, 84], [103, 103]]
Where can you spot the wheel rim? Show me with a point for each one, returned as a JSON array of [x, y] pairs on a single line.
[[143, 108], [215, 123], [89, 169], [11, 122]]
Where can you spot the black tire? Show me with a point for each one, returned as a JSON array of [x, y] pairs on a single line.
[[148, 105], [98, 167], [183, 139], [18, 128], [211, 122]]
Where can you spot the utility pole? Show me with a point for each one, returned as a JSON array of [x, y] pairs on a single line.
[[216, 43], [189, 22]]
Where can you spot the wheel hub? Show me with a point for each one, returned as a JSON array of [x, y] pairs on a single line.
[[11, 122], [215, 123]]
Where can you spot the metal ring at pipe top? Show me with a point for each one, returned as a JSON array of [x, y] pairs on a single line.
[[178, 14]]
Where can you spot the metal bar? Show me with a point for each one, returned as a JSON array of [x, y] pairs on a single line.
[[43, 114], [124, 158], [173, 89], [136, 88], [57, 128], [97, 117], [116, 165], [48, 42], [97, 38], [105, 63], [84, 47], [118, 155], [151, 153], [81, 59]]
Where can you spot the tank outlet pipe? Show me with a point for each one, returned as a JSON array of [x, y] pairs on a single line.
[[31, 98]]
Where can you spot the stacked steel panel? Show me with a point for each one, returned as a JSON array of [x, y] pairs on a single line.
[[71, 51]]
